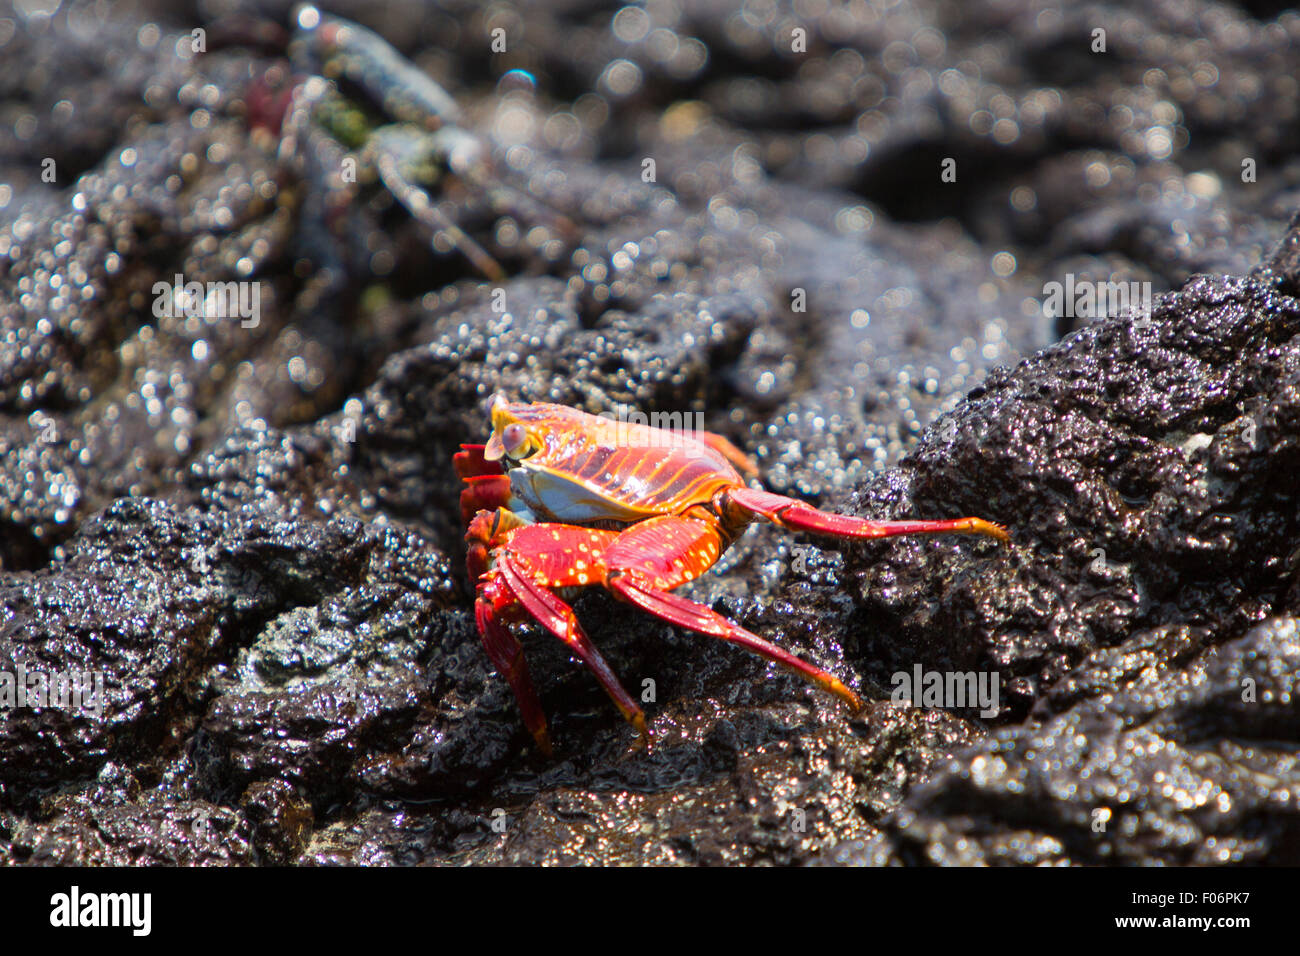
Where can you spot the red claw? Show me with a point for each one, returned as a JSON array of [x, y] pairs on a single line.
[[470, 463]]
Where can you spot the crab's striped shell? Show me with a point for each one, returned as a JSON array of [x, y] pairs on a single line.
[[579, 468]]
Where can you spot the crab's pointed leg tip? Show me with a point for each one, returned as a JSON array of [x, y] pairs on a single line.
[[543, 738], [840, 690], [643, 733], [980, 526]]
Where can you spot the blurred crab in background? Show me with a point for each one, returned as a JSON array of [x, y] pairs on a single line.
[[559, 499], [358, 114]]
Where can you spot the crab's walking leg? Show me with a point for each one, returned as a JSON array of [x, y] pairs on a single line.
[[661, 553], [390, 145], [799, 516], [527, 561], [334, 47], [558, 618], [507, 655], [495, 608]]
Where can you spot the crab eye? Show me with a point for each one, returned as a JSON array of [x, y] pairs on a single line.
[[514, 438]]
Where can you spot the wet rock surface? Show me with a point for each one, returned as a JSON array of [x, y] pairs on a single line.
[[1146, 627], [250, 528]]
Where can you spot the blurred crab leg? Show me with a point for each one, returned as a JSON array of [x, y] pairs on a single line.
[[662, 553], [798, 516], [404, 91], [417, 203], [466, 157]]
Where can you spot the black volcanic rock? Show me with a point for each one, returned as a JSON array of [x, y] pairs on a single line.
[[251, 531]]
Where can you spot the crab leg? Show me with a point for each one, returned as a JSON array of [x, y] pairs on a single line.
[[527, 560], [337, 47], [387, 141], [639, 566], [558, 618], [798, 516], [507, 656], [661, 553]]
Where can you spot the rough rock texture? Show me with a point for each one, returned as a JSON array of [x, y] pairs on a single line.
[[1147, 626], [250, 528]]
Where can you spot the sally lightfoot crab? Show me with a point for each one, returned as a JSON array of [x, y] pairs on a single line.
[[559, 499]]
